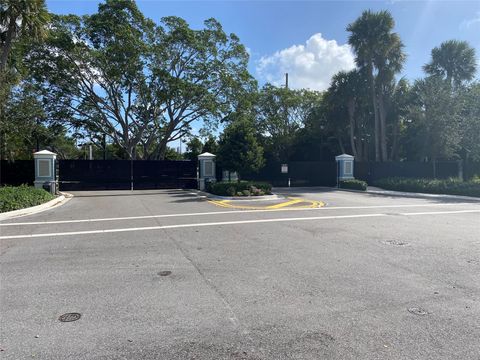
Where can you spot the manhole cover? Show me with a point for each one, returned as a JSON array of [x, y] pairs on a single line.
[[68, 317], [417, 311], [395, 243], [164, 273]]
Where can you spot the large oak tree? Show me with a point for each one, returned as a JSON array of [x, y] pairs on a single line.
[[118, 73]]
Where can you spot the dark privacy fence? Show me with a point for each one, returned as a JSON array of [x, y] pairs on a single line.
[[372, 171], [155, 174], [107, 174], [17, 172], [318, 173], [300, 173], [471, 169]]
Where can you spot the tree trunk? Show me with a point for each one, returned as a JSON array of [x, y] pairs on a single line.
[[351, 116], [162, 151], [375, 112], [8, 44], [394, 150], [340, 143], [383, 127], [359, 145]]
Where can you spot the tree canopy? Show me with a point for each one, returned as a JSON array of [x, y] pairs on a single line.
[[131, 86], [454, 61], [378, 50], [117, 73], [238, 148]]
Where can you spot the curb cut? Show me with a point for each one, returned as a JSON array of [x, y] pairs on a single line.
[[58, 201], [238, 198]]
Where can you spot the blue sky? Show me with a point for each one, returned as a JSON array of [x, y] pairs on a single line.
[[277, 33]]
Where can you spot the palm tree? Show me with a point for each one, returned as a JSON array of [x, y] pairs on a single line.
[[454, 61], [17, 18], [345, 93], [20, 18], [378, 51]]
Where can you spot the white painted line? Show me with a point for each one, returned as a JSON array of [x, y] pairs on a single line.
[[220, 223], [228, 212], [441, 212], [160, 227]]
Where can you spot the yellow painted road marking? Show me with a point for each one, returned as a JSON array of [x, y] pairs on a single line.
[[287, 203], [226, 204], [292, 201]]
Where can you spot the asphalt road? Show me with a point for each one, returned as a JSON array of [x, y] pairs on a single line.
[[366, 277]]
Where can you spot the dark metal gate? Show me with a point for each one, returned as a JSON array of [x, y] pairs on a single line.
[[126, 174]]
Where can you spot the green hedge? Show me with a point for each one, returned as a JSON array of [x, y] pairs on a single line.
[[451, 186], [353, 184], [239, 188], [14, 198]]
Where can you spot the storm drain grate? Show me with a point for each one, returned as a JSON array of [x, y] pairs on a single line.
[[418, 311], [69, 317], [164, 273]]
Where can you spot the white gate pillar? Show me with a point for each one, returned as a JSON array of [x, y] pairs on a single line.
[[45, 170], [207, 171], [345, 166]]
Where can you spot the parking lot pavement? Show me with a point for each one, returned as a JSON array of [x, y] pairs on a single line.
[[167, 275]]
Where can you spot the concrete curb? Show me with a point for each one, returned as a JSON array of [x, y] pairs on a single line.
[[58, 201], [235, 198]]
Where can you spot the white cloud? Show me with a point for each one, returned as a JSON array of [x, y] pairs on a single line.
[[466, 24], [308, 66]]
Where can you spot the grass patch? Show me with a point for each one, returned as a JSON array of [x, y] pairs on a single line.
[[239, 188], [353, 184], [451, 186], [19, 197]]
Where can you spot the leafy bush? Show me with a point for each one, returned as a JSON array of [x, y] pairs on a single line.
[[353, 184], [14, 198], [451, 186], [240, 188]]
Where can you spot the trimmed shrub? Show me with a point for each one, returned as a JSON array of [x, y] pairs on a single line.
[[19, 197], [451, 186], [240, 188], [353, 184]]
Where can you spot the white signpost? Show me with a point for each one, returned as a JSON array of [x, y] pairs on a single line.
[[284, 170]]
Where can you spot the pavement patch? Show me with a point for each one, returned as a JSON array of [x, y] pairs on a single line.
[[395, 243], [418, 311], [69, 317]]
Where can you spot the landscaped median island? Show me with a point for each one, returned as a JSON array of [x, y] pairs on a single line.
[[452, 186], [20, 197], [353, 184], [239, 188]]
